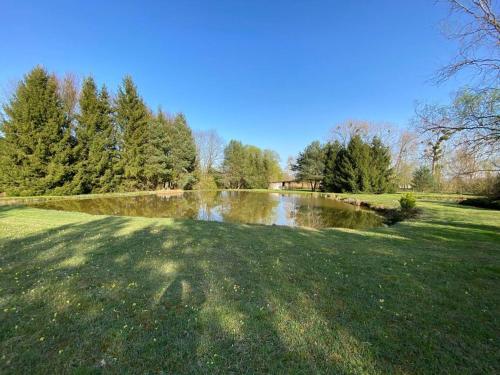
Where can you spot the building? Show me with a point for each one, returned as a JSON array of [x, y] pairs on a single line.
[[289, 184]]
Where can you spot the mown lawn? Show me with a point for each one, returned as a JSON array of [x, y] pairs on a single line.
[[91, 294]]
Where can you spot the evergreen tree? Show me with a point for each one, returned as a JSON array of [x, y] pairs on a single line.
[[359, 156], [380, 167], [310, 164], [132, 118], [37, 145], [360, 167], [331, 152], [157, 149], [345, 177], [181, 162], [4, 160], [95, 147], [422, 179], [104, 153]]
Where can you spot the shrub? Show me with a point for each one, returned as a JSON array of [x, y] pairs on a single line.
[[408, 202], [206, 182], [482, 203]]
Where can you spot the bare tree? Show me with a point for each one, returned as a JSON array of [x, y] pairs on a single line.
[[344, 131], [432, 122], [210, 149], [476, 120], [289, 173], [403, 156], [471, 121], [405, 148], [475, 25], [69, 90]]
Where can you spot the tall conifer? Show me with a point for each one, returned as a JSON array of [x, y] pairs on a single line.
[[331, 151], [380, 167], [95, 148], [181, 153], [344, 177], [132, 118], [37, 153], [359, 156], [156, 150]]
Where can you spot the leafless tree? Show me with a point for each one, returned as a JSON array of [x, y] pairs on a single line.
[[210, 148], [288, 173], [405, 149], [344, 131], [472, 121], [69, 90], [476, 120], [475, 25], [433, 122]]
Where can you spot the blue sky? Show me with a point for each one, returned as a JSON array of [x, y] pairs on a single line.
[[276, 74]]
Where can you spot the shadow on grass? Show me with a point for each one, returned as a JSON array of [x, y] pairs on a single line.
[[121, 294]]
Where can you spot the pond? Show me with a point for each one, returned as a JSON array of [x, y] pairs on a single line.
[[304, 210]]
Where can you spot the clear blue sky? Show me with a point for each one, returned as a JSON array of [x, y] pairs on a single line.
[[277, 74]]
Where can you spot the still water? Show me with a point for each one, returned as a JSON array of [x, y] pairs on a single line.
[[305, 210]]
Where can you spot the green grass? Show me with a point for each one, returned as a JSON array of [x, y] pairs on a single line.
[[91, 294]]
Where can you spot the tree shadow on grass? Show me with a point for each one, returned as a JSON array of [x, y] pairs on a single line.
[[118, 295]]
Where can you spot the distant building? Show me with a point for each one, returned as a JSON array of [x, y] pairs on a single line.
[[289, 184], [405, 187]]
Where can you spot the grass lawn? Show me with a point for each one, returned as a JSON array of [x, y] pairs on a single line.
[[91, 294]]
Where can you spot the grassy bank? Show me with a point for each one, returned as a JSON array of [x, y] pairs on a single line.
[[91, 293]]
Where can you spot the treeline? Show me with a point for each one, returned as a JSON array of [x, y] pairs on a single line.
[[56, 138], [50, 146], [356, 167], [248, 167]]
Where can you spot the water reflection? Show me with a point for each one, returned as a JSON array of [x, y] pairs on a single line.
[[230, 206]]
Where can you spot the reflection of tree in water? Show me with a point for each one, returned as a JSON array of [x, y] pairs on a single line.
[[233, 206], [144, 205], [308, 212], [247, 207], [208, 205]]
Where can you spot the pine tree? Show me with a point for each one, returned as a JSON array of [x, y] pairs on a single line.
[[345, 177], [359, 156], [331, 152], [181, 163], [157, 149], [104, 152], [310, 164], [37, 153], [422, 179], [132, 118], [380, 167], [95, 149]]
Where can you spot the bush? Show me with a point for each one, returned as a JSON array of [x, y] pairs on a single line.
[[408, 202], [482, 203], [206, 182]]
